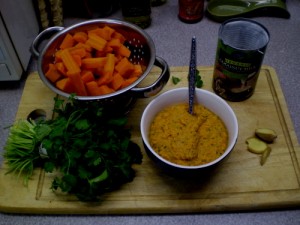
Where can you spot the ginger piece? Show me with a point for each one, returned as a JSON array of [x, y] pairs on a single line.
[[256, 145], [266, 134]]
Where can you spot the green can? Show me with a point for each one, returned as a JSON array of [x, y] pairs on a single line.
[[240, 51]]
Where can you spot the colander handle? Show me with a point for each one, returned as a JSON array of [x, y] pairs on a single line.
[[44, 35], [157, 86]]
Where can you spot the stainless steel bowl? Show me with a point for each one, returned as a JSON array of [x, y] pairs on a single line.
[[139, 42]]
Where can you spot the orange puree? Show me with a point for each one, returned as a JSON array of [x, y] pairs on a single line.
[[187, 139]]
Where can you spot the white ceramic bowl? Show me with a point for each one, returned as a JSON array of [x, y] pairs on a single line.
[[203, 97]]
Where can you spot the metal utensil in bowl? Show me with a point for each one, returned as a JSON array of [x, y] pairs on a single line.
[[192, 75], [137, 40]]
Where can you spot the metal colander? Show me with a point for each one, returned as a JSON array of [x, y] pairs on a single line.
[[138, 41]]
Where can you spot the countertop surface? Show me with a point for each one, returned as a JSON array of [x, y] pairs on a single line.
[[172, 40]]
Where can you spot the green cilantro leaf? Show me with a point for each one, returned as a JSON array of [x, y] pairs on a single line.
[[199, 81], [82, 124], [175, 80], [83, 173], [49, 167]]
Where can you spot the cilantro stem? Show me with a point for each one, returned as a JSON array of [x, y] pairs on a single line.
[[20, 152], [69, 160]]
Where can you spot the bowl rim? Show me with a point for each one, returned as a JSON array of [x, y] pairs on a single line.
[[198, 91]]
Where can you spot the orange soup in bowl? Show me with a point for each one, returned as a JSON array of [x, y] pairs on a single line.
[[187, 139]]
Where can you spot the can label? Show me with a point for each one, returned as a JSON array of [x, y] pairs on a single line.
[[235, 73], [238, 61]]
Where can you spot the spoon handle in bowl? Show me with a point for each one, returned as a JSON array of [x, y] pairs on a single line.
[[192, 75]]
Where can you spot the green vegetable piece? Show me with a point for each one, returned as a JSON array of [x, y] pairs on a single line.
[[103, 176], [41, 131], [175, 80], [82, 124], [49, 167], [88, 146], [199, 81]]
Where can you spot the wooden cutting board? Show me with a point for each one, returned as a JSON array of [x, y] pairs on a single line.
[[241, 183]]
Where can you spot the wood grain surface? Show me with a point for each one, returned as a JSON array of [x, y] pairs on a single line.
[[239, 184]]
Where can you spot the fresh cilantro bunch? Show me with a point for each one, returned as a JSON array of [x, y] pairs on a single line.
[[91, 149], [87, 146]]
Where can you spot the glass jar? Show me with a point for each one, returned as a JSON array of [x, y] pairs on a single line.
[[137, 12], [191, 11]]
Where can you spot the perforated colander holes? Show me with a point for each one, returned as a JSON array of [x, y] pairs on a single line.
[[138, 53]]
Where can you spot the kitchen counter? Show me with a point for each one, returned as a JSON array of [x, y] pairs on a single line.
[[172, 40]]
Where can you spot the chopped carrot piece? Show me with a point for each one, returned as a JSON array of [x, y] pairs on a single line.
[[119, 36], [104, 89], [77, 59], [78, 51], [96, 42], [92, 63], [67, 42], [124, 51], [61, 68], [80, 37], [96, 30], [124, 67], [105, 32], [57, 56], [78, 84], [99, 71], [108, 31], [87, 76], [114, 43], [52, 73], [109, 66], [93, 88], [102, 33], [69, 62], [105, 78], [88, 48], [108, 49], [104, 51], [88, 55], [65, 85], [138, 71], [100, 54], [118, 58], [117, 81], [129, 81], [92, 28]]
